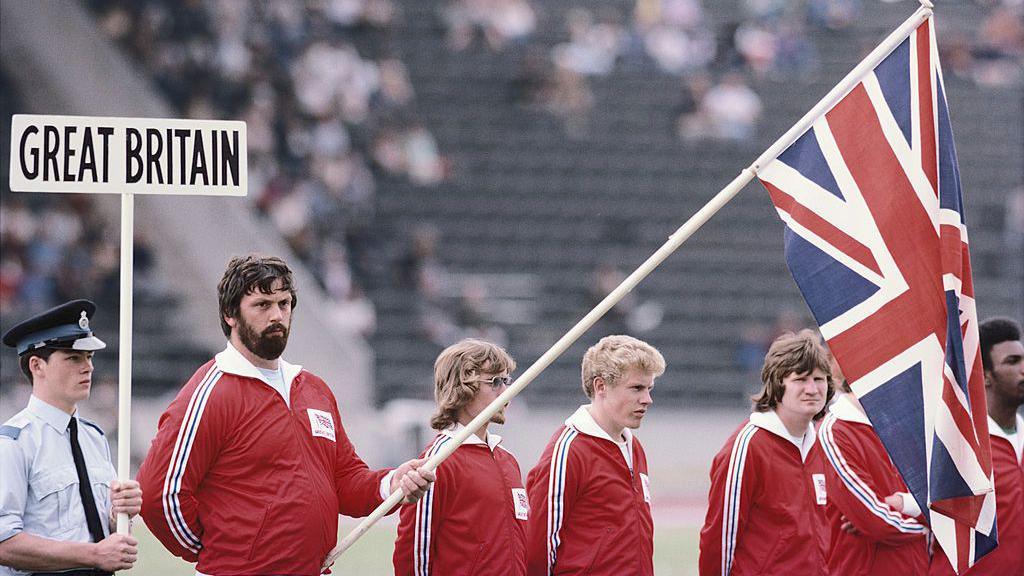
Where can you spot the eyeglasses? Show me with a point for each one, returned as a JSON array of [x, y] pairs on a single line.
[[497, 381]]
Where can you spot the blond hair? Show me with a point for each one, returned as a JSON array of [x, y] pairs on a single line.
[[800, 353], [455, 372], [613, 356]]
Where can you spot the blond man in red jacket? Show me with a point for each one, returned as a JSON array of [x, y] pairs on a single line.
[[590, 495]]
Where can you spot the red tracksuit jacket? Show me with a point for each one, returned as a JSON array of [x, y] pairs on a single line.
[[766, 509], [1008, 558], [589, 513], [246, 485], [859, 477], [472, 521]]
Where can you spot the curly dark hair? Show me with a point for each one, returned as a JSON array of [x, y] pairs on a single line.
[[996, 331], [246, 274]]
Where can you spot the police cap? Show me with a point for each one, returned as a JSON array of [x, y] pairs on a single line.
[[65, 327]]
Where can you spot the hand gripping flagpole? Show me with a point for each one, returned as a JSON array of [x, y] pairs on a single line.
[[674, 242]]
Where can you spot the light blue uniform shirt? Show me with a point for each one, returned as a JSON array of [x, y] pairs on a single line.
[[38, 481]]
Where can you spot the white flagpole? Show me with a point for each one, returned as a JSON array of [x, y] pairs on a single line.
[[627, 285], [124, 372]]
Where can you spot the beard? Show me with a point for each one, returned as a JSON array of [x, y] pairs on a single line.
[[268, 344]]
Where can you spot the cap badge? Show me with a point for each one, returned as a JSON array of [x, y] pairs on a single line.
[[83, 322]]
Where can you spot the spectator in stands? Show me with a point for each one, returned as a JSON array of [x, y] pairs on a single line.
[[593, 47], [473, 315], [410, 151], [293, 71], [568, 96], [498, 22], [758, 43], [692, 122], [761, 9], [755, 338], [531, 79], [420, 266], [673, 34], [833, 14], [999, 57], [766, 510], [732, 109], [631, 313], [352, 13]]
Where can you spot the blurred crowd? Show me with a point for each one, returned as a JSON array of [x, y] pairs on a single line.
[[57, 247], [330, 112], [717, 65]]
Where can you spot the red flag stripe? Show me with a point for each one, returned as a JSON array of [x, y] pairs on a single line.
[[926, 115], [960, 416], [824, 229], [906, 229]]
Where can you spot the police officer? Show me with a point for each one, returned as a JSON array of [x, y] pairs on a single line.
[[58, 493]]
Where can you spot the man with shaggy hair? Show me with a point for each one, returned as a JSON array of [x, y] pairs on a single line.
[[590, 495], [766, 510], [473, 518]]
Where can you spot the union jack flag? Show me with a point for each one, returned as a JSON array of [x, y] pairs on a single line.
[[876, 240]]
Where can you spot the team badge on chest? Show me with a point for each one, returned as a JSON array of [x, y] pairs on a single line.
[[522, 503], [321, 424], [820, 494]]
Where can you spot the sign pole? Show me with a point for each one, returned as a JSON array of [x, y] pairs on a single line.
[[124, 367]]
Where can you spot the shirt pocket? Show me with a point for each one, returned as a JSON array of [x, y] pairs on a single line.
[[56, 499], [100, 477]]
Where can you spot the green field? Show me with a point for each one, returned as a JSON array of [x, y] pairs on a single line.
[[675, 553]]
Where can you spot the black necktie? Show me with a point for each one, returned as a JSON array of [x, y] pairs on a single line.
[[84, 486]]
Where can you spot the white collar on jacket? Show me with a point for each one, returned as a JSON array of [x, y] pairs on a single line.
[[844, 409], [232, 362], [583, 421], [995, 430], [492, 439], [771, 422]]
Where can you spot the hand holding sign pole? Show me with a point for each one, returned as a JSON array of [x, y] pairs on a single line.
[[127, 156]]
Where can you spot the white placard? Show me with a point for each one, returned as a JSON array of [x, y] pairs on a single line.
[[100, 154]]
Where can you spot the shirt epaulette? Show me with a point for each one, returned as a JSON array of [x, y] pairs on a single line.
[[93, 424], [11, 432]]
